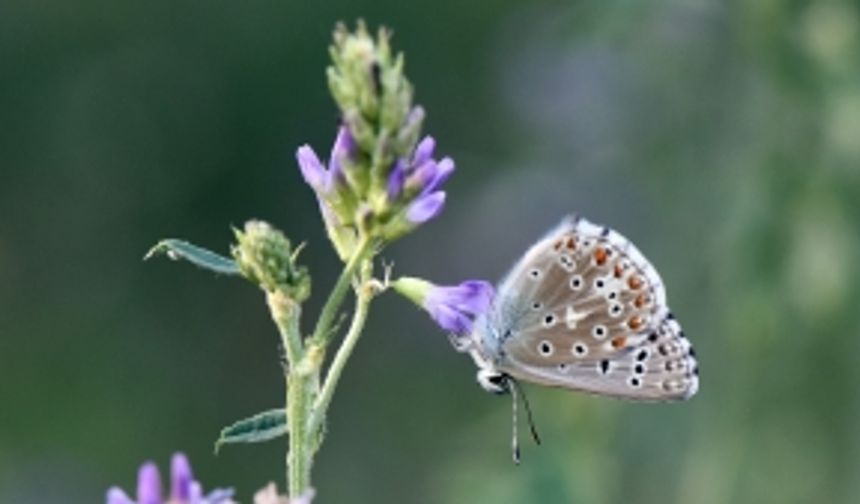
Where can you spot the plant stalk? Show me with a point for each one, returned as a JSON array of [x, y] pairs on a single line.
[[302, 375], [364, 295], [322, 332]]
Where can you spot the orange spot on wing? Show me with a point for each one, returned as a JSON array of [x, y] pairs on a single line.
[[619, 271], [634, 282], [600, 256], [618, 342], [557, 245], [571, 243], [639, 302], [634, 323]]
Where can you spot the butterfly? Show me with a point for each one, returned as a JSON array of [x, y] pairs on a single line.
[[583, 310]]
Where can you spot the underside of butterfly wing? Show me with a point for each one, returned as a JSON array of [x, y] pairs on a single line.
[[585, 310]]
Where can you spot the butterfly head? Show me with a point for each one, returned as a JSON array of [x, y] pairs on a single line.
[[494, 381]]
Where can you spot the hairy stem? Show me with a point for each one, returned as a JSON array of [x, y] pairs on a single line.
[[299, 457], [364, 295], [303, 372], [322, 332], [286, 314]]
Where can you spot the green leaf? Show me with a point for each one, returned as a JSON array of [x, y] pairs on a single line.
[[256, 429], [206, 259]]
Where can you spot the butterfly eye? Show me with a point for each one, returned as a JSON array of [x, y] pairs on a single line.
[[576, 282]]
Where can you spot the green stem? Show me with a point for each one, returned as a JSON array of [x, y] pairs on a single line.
[[299, 457], [286, 314], [305, 361], [322, 331], [362, 306]]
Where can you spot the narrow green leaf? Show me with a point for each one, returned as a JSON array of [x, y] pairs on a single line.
[[256, 429], [206, 259]]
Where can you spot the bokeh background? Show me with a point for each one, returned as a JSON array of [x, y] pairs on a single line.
[[723, 137]]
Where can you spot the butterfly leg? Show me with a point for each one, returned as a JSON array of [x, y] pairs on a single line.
[[461, 343]]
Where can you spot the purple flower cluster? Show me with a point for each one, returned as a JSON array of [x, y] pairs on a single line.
[[183, 488], [349, 192], [422, 178]]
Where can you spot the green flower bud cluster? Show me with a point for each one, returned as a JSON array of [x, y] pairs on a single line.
[[265, 257], [375, 99]]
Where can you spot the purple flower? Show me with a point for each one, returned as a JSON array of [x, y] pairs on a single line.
[[183, 488], [454, 308], [320, 178], [426, 207], [396, 179], [421, 180], [424, 150]]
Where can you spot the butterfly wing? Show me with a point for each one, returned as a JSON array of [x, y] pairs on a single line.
[[585, 310]]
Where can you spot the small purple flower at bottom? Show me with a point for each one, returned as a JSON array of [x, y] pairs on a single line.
[[454, 308], [183, 488]]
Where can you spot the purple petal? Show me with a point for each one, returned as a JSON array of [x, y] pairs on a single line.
[[180, 477], [342, 149], [424, 151], [312, 169], [453, 308], [473, 296], [426, 207], [116, 496], [422, 176], [396, 180], [444, 169], [450, 319], [148, 484], [220, 495], [195, 492], [344, 144]]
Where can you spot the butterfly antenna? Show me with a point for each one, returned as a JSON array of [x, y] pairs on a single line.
[[515, 442], [522, 393]]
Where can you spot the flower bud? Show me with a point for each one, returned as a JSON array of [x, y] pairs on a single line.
[[265, 257]]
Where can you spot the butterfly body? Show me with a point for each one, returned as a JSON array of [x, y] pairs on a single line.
[[584, 310]]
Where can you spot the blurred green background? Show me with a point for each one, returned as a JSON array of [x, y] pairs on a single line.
[[722, 137]]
